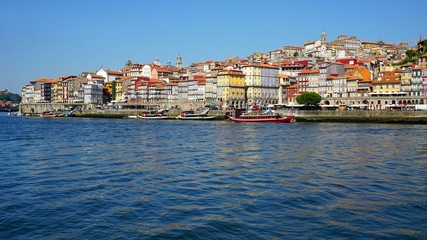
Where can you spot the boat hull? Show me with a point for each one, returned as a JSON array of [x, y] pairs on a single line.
[[153, 117], [287, 119], [205, 118]]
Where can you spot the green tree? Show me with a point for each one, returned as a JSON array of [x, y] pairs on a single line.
[[295, 54], [106, 96], [411, 54], [309, 99], [11, 97], [424, 46]]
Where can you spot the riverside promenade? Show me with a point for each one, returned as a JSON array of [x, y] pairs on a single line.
[[369, 116]]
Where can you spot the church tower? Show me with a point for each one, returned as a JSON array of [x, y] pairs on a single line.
[[179, 62], [128, 63], [157, 62], [323, 38]]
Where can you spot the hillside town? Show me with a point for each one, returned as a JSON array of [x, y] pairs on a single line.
[[356, 74]]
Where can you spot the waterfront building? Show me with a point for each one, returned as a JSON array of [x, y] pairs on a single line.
[[252, 75], [417, 82], [65, 89], [326, 70], [156, 91], [37, 94], [183, 89], [39, 90], [308, 81], [424, 82], [73, 89], [211, 89], [93, 89], [196, 88], [313, 81], [364, 87], [28, 93], [138, 89], [117, 89], [24, 95], [352, 86], [387, 82], [291, 94], [284, 83], [121, 88], [406, 79], [46, 91], [363, 80], [339, 86], [269, 84], [231, 88], [92, 92], [58, 91], [261, 83], [171, 90]]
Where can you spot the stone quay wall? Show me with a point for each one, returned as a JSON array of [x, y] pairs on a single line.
[[380, 116]]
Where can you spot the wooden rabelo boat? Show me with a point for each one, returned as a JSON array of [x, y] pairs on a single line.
[[267, 116]]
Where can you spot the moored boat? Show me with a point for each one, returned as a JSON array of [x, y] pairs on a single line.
[[153, 115], [268, 116], [263, 118], [190, 115]]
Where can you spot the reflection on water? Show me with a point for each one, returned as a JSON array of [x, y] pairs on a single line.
[[109, 178]]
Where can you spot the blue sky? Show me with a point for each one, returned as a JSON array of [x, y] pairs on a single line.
[[47, 38]]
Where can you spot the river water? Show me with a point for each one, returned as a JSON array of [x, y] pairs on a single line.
[[73, 178]]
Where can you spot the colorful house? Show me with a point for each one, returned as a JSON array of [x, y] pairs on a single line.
[[231, 88]]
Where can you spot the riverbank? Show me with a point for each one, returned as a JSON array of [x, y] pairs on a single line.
[[377, 116], [129, 113], [368, 116], [415, 117]]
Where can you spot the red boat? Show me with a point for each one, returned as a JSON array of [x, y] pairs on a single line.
[[263, 118]]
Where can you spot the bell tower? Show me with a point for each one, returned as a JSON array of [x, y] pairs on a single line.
[[179, 62], [323, 38]]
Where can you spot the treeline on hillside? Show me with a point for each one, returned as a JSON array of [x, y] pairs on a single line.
[[412, 55], [10, 97]]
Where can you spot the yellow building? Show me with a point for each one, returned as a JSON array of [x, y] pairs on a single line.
[[387, 84], [117, 90], [406, 77], [231, 88], [252, 83]]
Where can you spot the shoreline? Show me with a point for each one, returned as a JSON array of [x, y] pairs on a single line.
[[346, 116]]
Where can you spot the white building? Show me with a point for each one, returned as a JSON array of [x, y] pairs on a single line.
[[92, 90], [109, 75]]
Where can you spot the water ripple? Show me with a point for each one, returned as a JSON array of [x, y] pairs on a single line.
[[124, 179]]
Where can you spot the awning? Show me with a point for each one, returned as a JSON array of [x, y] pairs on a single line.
[[358, 105], [329, 106], [388, 93]]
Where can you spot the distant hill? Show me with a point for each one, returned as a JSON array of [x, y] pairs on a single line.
[[6, 96]]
